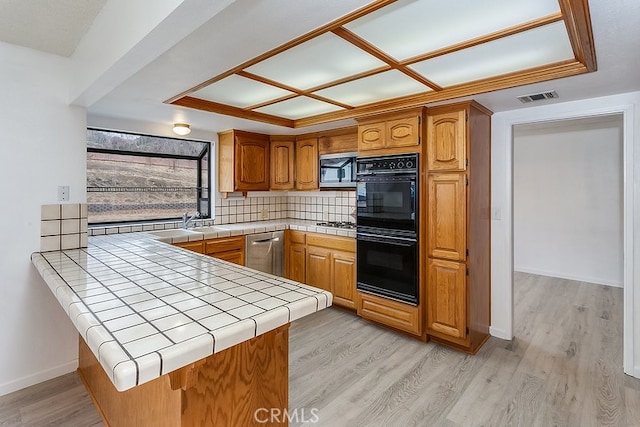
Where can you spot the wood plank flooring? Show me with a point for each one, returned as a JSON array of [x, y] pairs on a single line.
[[564, 368]]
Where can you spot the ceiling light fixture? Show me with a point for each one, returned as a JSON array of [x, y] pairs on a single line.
[[181, 129]]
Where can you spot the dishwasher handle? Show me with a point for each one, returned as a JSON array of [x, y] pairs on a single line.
[[269, 240]]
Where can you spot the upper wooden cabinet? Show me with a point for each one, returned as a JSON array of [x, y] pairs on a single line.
[[282, 163], [446, 139], [307, 164], [390, 133], [243, 161], [343, 140]]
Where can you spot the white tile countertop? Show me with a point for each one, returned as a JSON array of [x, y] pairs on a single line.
[[146, 308], [179, 235]]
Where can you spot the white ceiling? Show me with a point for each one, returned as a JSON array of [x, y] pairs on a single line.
[[196, 39], [49, 26]]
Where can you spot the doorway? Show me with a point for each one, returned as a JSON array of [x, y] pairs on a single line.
[[502, 250]]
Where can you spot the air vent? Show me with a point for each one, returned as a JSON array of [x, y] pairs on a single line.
[[538, 96]]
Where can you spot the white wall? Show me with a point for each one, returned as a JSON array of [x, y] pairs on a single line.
[[42, 146], [567, 199], [502, 214]]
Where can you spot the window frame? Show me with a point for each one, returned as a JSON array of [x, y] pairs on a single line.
[[207, 149]]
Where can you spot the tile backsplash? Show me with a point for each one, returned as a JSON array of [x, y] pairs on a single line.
[[263, 206], [312, 205], [63, 226]]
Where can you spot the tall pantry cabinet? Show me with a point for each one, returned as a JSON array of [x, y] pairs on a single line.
[[458, 226]]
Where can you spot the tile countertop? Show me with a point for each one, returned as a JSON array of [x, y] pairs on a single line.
[[178, 235], [146, 308]]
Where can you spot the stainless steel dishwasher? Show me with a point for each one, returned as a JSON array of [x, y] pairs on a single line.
[[265, 252]]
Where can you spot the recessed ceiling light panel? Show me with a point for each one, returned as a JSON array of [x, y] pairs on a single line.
[[415, 27], [318, 61], [533, 48], [299, 107], [379, 87], [240, 92]]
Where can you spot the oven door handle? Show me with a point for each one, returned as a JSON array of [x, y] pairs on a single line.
[[400, 241]]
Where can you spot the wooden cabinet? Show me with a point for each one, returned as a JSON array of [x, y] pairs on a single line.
[[458, 226], [243, 161], [343, 140], [446, 287], [391, 133], [192, 246], [318, 268], [446, 140], [447, 223], [343, 278], [282, 163], [392, 313], [307, 164], [227, 248], [326, 262]]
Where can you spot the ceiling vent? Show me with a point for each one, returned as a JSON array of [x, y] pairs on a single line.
[[538, 96]]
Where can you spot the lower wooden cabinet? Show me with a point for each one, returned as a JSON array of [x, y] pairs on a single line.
[[318, 267], [227, 248], [404, 317], [446, 287], [323, 261], [343, 277], [192, 246]]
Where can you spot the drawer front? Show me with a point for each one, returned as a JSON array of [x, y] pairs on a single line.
[[297, 236], [224, 244], [192, 246], [338, 243], [391, 313]]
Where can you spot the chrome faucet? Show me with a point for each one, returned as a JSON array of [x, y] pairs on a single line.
[[187, 221]]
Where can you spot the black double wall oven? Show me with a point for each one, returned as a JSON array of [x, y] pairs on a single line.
[[387, 212]]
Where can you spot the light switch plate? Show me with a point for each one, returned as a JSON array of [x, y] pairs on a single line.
[[63, 193]]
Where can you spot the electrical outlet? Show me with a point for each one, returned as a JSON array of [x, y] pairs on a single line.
[[63, 193], [264, 213]]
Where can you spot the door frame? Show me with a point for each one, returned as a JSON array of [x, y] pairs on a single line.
[[628, 106]]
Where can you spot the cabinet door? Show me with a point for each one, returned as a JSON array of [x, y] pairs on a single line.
[[343, 278], [307, 164], [446, 298], [282, 164], [296, 262], [252, 163], [318, 268], [403, 132], [371, 136], [446, 220], [446, 141]]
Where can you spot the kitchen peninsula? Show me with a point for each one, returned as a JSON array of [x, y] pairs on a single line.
[[172, 337]]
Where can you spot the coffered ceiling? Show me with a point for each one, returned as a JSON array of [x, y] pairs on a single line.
[[395, 54]]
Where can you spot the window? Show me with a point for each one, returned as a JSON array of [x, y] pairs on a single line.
[[133, 178]]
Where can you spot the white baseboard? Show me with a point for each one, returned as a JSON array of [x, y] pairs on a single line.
[[499, 333], [38, 377], [597, 281]]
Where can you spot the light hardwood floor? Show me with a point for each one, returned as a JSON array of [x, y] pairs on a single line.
[[564, 368]]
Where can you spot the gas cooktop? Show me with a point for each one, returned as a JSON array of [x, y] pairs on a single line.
[[336, 224]]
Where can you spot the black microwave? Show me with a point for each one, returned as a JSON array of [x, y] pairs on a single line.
[[338, 170]]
